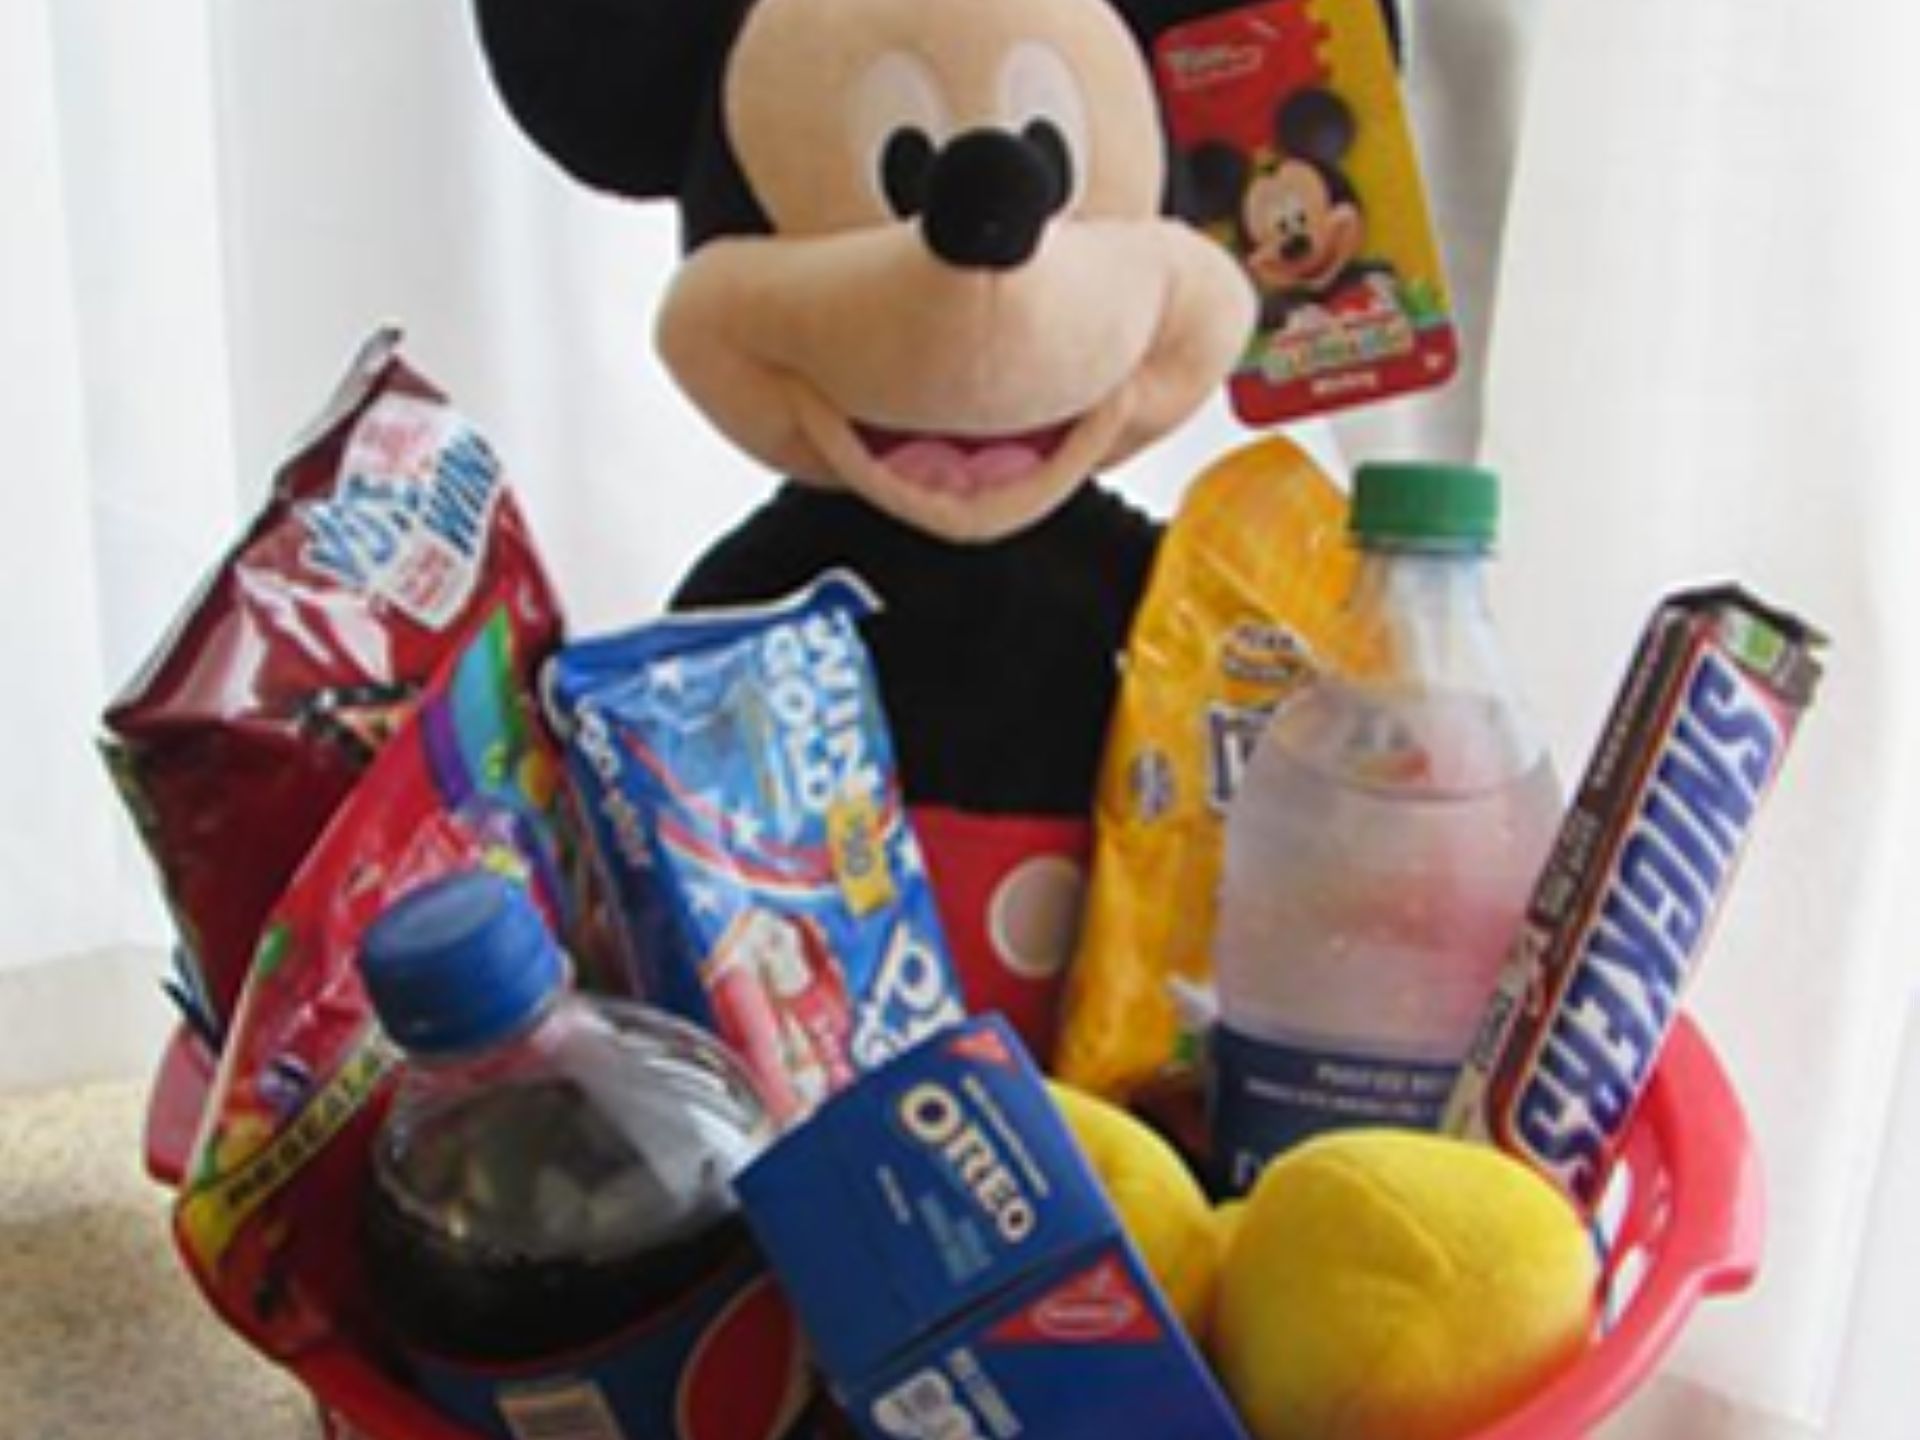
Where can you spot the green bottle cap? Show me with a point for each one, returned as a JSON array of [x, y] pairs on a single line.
[[1413, 503]]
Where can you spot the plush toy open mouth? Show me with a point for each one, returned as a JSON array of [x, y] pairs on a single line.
[[964, 464]]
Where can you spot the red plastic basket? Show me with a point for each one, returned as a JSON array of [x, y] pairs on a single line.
[[1692, 1225]]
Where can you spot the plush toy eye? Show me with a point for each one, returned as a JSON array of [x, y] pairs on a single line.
[[1042, 100], [899, 120]]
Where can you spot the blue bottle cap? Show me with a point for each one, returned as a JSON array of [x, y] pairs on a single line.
[[460, 964]]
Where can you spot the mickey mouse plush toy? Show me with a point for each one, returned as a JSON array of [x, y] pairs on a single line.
[[932, 278]]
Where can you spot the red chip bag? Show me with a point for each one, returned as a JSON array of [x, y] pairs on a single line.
[[266, 1219], [389, 537]]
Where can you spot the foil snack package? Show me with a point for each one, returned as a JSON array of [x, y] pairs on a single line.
[[389, 539], [738, 778], [267, 1216], [1243, 610], [1623, 911]]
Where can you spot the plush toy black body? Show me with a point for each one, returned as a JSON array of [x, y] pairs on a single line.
[[931, 279], [1006, 648]]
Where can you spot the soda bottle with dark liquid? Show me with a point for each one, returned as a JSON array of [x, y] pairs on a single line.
[[550, 1228]]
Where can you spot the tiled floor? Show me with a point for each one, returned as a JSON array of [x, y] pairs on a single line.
[[102, 1337]]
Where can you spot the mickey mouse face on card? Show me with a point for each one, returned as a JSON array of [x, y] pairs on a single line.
[[927, 255], [1303, 216], [1300, 221]]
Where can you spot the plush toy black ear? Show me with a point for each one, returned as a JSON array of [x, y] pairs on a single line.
[[1316, 125], [614, 90]]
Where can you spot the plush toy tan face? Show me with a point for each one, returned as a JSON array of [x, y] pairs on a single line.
[[969, 300]]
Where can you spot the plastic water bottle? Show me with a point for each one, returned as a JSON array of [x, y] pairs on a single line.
[[551, 1232], [1382, 845]]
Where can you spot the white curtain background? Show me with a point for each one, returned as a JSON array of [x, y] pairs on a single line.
[[1701, 364]]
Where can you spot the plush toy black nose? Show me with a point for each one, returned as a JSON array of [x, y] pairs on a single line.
[[989, 197], [1296, 249]]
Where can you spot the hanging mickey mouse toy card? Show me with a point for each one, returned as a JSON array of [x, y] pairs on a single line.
[[1299, 157]]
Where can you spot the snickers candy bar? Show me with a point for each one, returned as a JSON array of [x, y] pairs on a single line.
[[1621, 915]]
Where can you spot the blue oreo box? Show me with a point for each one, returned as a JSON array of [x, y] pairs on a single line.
[[958, 1267]]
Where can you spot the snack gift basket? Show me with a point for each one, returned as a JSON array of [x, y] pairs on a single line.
[[1687, 1224], [1685, 1217]]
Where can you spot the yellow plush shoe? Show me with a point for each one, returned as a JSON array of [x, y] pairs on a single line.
[[1165, 1213], [1394, 1286]]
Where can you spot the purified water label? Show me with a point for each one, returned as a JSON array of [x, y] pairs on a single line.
[[1271, 1097]]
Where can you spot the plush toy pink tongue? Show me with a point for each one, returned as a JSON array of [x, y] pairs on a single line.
[[963, 464]]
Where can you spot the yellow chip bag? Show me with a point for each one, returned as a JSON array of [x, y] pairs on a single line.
[[1243, 608]]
